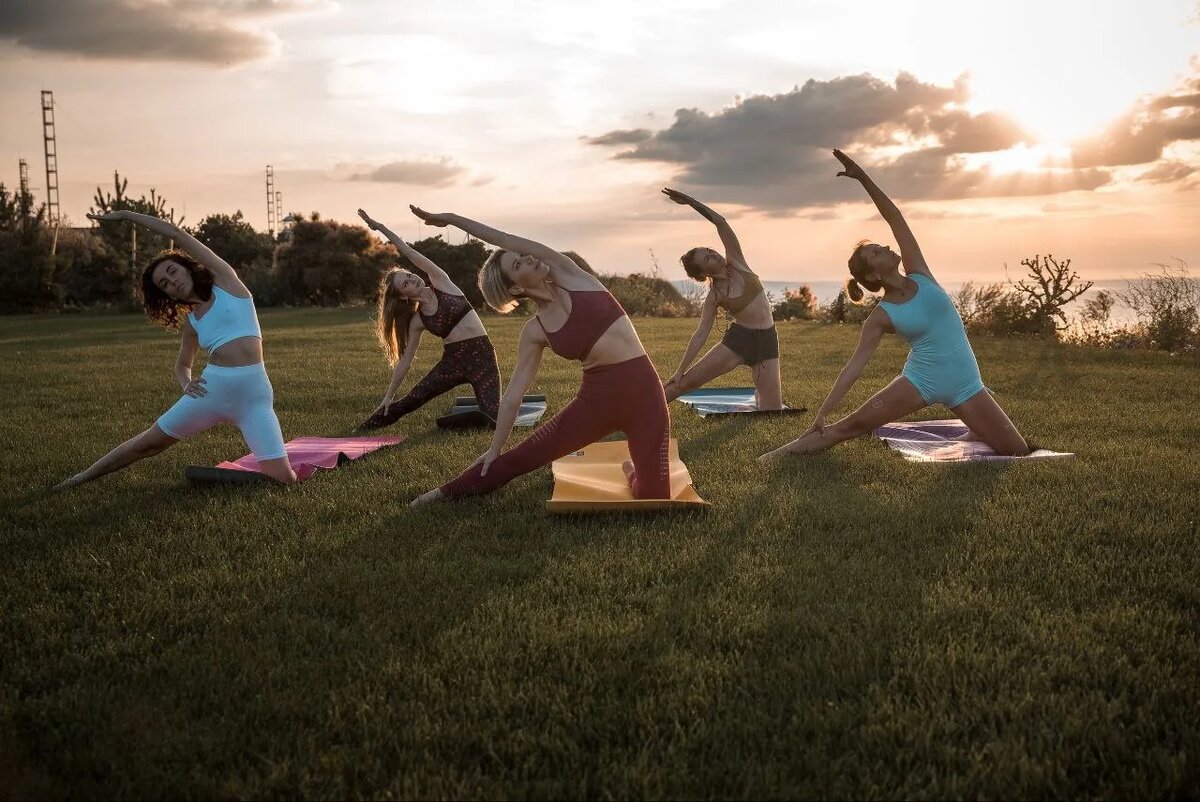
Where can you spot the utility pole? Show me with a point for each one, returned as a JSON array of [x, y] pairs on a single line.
[[272, 217], [51, 147]]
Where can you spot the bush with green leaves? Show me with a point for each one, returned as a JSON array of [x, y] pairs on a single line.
[[326, 263], [797, 304], [28, 273], [1167, 304]]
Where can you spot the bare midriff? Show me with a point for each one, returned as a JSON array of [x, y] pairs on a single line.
[[238, 353], [468, 328], [618, 343]]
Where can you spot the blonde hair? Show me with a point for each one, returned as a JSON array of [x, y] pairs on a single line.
[[495, 286], [858, 270], [392, 318]]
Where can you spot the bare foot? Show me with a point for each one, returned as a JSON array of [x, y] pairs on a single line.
[[65, 483], [629, 471], [427, 498]]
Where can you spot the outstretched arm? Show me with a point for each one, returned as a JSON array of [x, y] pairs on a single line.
[[437, 277], [222, 272], [503, 240], [873, 329], [406, 360], [707, 315], [910, 252], [529, 359], [733, 248]]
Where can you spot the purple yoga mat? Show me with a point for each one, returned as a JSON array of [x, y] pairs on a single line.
[[310, 454], [946, 441]]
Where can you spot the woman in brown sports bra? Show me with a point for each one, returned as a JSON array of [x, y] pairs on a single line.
[[408, 306], [751, 339]]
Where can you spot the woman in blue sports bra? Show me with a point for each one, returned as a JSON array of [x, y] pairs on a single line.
[[941, 367], [197, 293]]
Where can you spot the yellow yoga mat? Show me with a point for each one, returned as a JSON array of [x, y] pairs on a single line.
[[591, 480]]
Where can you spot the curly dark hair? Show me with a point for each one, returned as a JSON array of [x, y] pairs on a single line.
[[162, 308]]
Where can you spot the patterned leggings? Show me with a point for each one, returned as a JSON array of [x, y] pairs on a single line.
[[470, 361], [625, 397]]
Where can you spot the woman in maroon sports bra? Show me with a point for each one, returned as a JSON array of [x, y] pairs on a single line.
[[578, 319], [407, 306]]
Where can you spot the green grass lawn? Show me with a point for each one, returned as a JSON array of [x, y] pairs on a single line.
[[845, 625]]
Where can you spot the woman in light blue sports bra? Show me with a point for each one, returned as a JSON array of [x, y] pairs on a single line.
[[941, 367], [197, 293]]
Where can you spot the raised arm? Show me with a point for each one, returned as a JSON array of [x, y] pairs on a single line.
[[222, 272], [437, 277], [733, 248], [529, 359], [910, 252], [504, 240], [708, 314]]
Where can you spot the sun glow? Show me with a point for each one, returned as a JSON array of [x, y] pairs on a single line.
[[1022, 159]]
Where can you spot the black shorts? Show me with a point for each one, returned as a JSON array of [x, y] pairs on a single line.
[[752, 345]]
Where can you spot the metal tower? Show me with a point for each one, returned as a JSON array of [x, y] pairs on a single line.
[[51, 156], [272, 217], [23, 171], [279, 209]]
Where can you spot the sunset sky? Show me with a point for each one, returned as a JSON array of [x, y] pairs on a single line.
[[1002, 129]]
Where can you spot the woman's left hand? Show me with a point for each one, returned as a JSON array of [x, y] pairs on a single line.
[[679, 197], [440, 219]]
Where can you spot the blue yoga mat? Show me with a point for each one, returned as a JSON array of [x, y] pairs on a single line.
[[465, 413], [718, 401]]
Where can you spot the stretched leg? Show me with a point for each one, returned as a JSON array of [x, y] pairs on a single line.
[[717, 362], [985, 418], [579, 424], [768, 389], [893, 402], [441, 378], [260, 429], [484, 376], [649, 431], [147, 444]]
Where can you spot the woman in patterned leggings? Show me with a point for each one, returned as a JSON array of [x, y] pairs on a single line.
[[408, 306]]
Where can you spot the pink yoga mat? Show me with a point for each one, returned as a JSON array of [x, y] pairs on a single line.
[[946, 441], [309, 454]]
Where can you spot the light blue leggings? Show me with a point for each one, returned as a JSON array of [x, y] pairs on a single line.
[[242, 396]]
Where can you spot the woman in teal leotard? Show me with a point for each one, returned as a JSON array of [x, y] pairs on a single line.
[[941, 367]]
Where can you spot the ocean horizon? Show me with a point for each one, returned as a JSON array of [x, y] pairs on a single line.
[[827, 290]]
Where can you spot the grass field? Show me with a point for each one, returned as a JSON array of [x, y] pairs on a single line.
[[845, 625]]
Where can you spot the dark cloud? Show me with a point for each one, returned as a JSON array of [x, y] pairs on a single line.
[[131, 30], [771, 152], [440, 173], [629, 136], [1140, 136]]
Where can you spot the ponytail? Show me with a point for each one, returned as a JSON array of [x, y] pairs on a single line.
[[858, 271]]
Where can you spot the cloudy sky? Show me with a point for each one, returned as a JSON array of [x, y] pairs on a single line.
[[1002, 129]]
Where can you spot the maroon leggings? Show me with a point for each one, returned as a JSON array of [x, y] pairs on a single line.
[[470, 361], [625, 397]]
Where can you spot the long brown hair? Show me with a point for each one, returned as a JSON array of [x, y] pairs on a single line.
[[162, 308], [858, 271], [393, 315]]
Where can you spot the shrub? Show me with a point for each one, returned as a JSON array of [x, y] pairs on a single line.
[[1167, 304], [843, 310], [797, 304]]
